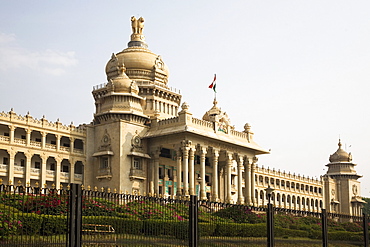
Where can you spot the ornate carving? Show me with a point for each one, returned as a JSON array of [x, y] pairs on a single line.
[[105, 142], [137, 25], [159, 64]]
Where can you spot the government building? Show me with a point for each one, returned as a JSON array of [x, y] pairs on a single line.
[[145, 140]]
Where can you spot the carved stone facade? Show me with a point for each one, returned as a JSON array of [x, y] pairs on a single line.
[[142, 141], [38, 152]]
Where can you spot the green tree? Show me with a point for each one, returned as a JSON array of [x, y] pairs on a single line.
[[366, 208]]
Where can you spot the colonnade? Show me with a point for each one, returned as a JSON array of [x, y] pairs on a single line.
[[28, 171], [188, 174]]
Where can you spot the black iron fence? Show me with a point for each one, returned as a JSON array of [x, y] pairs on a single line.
[[76, 217]]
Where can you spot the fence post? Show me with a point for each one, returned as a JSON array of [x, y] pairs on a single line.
[[75, 215], [324, 228], [366, 230], [193, 221], [270, 225]]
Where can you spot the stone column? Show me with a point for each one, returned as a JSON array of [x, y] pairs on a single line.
[[71, 144], [28, 137], [72, 171], [339, 191], [44, 159], [58, 141], [191, 172], [240, 180], [229, 163], [253, 181], [203, 152], [84, 147], [156, 173], [215, 181], [11, 165], [27, 172], [11, 134], [151, 182], [185, 161], [248, 183], [43, 139], [58, 161], [179, 164]]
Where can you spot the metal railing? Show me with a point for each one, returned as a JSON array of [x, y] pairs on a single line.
[[74, 216]]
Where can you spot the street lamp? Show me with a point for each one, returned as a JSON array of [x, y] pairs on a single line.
[[270, 218], [269, 191]]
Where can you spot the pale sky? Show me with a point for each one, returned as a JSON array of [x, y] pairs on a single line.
[[297, 71]]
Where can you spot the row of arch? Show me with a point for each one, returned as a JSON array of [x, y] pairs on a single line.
[[289, 201], [36, 138], [68, 167], [265, 181]]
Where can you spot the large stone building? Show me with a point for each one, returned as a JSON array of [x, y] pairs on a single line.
[[143, 140]]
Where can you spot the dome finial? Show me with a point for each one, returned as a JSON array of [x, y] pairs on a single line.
[[215, 101], [137, 37]]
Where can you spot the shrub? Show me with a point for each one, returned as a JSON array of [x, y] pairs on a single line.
[[352, 226], [51, 204], [31, 223], [154, 210], [345, 236], [206, 229], [284, 220], [285, 232], [97, 206], [240, 214], [53, 225], [9, 224], [240, 230], [157, 227], [181, 229], [315, 234], [8, 209]]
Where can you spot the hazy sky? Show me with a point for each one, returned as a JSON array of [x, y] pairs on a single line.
[[297, 71]]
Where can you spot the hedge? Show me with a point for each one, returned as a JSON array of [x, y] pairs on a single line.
[[241, 230], [31, 223], [346, 236], [53, 225], [286, 232]]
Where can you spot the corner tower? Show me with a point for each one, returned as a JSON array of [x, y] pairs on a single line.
[[341, 184]]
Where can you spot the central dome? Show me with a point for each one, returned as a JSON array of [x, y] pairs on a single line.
[[141, 64]]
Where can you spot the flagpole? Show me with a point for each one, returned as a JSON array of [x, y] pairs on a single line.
[[213, 86]]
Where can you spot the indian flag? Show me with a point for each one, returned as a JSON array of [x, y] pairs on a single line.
[[213, 85]]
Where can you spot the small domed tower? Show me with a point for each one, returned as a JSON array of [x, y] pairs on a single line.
[[341, 185], [219, 118], [119, 98]]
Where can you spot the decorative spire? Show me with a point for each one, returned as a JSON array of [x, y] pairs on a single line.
[[215, 101]]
